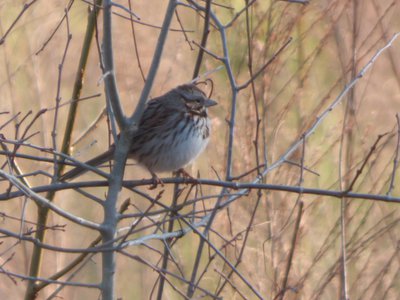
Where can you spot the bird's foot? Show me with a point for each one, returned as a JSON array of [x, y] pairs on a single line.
[[185, 175], [156, 181]]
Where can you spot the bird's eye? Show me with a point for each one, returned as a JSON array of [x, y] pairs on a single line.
[[198, 100]]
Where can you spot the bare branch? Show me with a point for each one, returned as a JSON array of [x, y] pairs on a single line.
[[46, 203], [338, 99], [24, 9], [396, 158]]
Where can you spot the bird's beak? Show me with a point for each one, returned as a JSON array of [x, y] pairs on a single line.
[[210, 102]]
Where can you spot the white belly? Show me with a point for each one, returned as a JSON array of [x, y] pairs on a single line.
[[176, 152]]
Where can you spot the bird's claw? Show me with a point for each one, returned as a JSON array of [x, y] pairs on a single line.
[[156, 181], [185, 175]]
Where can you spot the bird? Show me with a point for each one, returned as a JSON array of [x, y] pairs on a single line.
[[173, 130]]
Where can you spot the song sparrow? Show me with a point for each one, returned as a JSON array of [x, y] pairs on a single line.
[[173, 131]]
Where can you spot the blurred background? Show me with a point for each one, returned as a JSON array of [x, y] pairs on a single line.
[[331, 42]]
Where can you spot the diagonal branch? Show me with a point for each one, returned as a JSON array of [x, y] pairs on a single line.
[[43, 202], [327, 111]]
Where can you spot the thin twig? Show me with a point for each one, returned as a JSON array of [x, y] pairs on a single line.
[[129, 11], [135, 44], [43, 202], [81, 257], [183, 29], [338, 100], [292, 248], [69, 5], [34, 279], [365, 161], [396, 158], [100, 7], [262, 69], [232, 284], [168, 242], [238, 14], [304, 2], [58, 95], [206, 31], [154, 64], [91, 127], [24, 9], [219, 253]]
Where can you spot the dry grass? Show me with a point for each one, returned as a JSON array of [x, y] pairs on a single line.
[[325, 53]]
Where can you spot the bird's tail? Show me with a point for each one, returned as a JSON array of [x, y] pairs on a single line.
[[94, 162]]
